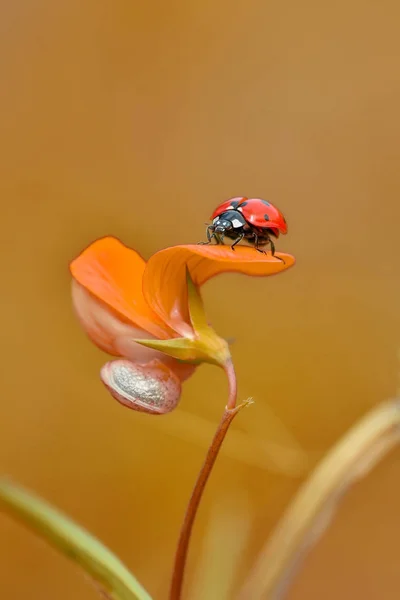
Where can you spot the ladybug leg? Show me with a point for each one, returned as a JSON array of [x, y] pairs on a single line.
[[210, 236], [257, 244], [238, 239], [273, 251], [271, 243]]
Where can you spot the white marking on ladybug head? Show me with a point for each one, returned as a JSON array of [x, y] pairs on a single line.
[[236, 223], [216, 219], [240, 209]]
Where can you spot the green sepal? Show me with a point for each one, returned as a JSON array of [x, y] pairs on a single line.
[[181, 348], [196, 307], [205, 348], [204, 345]]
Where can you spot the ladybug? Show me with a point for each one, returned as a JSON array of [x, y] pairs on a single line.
[[252, 219]]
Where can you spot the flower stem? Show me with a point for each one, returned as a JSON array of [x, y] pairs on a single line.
[[231, 375], [191, 511]]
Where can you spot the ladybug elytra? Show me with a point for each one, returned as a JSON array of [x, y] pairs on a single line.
[[252, 219]]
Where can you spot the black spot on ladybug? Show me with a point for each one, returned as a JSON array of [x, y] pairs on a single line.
[[234, 204], [266, 217], [244, 203], [265, 202]]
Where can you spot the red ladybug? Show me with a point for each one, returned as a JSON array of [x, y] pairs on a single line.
[[252, 219]]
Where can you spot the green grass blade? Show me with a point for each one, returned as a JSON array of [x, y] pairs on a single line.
[[73, 541]]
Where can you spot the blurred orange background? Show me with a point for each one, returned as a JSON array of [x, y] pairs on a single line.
[[136, 120]]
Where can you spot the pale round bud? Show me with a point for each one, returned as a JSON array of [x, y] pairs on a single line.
[[151, 388]]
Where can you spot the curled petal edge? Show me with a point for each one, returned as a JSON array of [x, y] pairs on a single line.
[[170, 302], [113, 273]]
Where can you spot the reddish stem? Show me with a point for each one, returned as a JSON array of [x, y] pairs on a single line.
[[230, 412], [231, 375]]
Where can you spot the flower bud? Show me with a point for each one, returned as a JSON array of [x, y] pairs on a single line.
[[151, 388]]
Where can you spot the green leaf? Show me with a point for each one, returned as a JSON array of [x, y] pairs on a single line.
[[73, 541]]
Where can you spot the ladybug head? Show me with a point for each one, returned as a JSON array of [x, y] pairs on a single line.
[[222, 225], [228, 221]]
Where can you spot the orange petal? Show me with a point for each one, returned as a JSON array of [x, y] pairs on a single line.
[[164, 279], [102, 326], [116, 337], [113, 273]]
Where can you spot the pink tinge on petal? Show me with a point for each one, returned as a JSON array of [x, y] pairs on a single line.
[[113, 273], [151, 388], [117, 338], [102, 326]]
